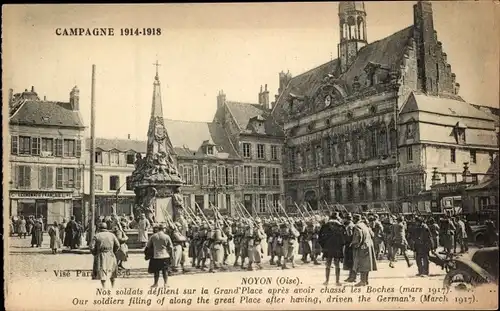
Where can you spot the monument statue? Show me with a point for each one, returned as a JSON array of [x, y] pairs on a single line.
[[156, 180]]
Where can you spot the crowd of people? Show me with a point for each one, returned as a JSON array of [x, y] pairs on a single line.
[[69, 234], [355, 241]]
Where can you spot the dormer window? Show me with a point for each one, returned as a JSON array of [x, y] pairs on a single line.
[[410, 130], [460, 133], [210, 150]]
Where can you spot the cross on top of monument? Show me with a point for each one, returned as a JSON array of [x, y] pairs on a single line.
[[157, 65]]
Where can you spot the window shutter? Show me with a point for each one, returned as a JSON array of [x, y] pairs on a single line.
[[78, 179], [50, 177], [14, 172], [229, 175], [269, 176], [78, 148], [14, 144], [205, 175], [255, 173], [59, 177], [196, 174], [237, 175], [42, 181], [27, 176], [105, 158], [267, 152]]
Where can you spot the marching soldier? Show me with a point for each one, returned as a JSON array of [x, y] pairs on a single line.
[[316, 247], [399, 241], [178, 241], [247, 234], [238, 237], [306, 241], [255, 245], [448, 231], [277, 245], [229, 243], [201, 247], [290, 236], [218, 238], [434, 229], [378, 231]]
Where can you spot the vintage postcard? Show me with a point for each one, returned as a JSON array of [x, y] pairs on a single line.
[[244, 156]]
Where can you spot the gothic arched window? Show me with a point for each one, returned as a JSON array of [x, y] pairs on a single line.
[[393, 137], [382, 142]]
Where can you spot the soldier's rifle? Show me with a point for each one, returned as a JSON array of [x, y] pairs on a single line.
[[203, 214], [187, 208], [239, 211], [272, 208], [327, 206], [219, 214], [300, 211], [311, 209], [249, 215], [284, 211]]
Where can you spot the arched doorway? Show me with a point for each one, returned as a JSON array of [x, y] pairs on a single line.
[[311, 198]]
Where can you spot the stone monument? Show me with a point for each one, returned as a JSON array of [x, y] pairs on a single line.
[[156, 180]]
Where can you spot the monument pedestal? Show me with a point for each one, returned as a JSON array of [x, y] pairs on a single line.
[[163, 206]]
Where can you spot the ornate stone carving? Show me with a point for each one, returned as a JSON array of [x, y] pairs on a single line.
[[156, 175]]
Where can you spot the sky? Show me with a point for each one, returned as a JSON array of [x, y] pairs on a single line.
[[204, 48]]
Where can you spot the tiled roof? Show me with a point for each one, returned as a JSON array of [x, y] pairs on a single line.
[[46, 113], [439, 116], [443, 106], [123, 145], [491, 111], [187, 137], [243, 112], [388, 52], [490, 180]]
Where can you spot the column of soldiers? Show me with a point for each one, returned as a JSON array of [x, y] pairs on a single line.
[[357, 241]]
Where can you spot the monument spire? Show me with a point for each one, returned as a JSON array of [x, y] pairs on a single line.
[[156, 178]]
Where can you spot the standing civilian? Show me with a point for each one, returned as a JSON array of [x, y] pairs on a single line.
[[161, 245], [104, 246], [365, 259]]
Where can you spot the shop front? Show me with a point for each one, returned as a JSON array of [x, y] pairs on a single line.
[[51, 205], [106, 205]]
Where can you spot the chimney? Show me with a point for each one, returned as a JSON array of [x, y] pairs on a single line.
[[265, 97], [74, 99], [261, 100], [457, 88], [221, 99], [32, 89], [11, 95], [284, 79], [128, 136], [44, 98]]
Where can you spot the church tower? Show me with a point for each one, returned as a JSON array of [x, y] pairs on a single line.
[[352, 22]]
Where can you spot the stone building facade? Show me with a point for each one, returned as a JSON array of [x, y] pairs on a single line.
[[46, 141], [342, 120], [439, 138], [208, 163], [258, 140], [114, 164]]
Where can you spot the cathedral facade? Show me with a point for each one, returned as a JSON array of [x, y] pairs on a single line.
[[341, 119]]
